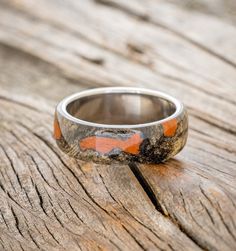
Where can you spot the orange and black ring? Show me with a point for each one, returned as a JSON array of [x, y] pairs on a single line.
[[121, 124]]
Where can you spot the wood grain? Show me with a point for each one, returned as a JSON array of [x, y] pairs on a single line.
[[49, 49]]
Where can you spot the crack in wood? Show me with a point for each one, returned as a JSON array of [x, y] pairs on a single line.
[[147, 188], [151, 194], [134, 238]]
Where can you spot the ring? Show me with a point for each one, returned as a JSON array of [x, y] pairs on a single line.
[[121, 124]]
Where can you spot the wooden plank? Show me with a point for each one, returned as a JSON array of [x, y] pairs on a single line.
[[50, 201], [122, 74], [196, 191], [201, 30]]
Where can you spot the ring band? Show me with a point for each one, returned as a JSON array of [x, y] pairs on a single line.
[[121, 123]]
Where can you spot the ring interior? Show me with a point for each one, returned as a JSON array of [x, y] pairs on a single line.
[[121, 108]]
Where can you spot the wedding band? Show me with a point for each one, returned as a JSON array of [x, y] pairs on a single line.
[[121, 124]]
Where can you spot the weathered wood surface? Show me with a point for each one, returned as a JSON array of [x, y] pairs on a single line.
[[49, 49]]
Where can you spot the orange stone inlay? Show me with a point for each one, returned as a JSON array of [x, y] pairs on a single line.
[[57, 129], [170, 127], [105, 144]]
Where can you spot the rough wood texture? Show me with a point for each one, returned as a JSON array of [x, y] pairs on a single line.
[[48, 201]]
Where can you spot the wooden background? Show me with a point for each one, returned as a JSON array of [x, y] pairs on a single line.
[[52, 48]]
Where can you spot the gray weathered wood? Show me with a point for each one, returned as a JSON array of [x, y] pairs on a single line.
[[49, 49]]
